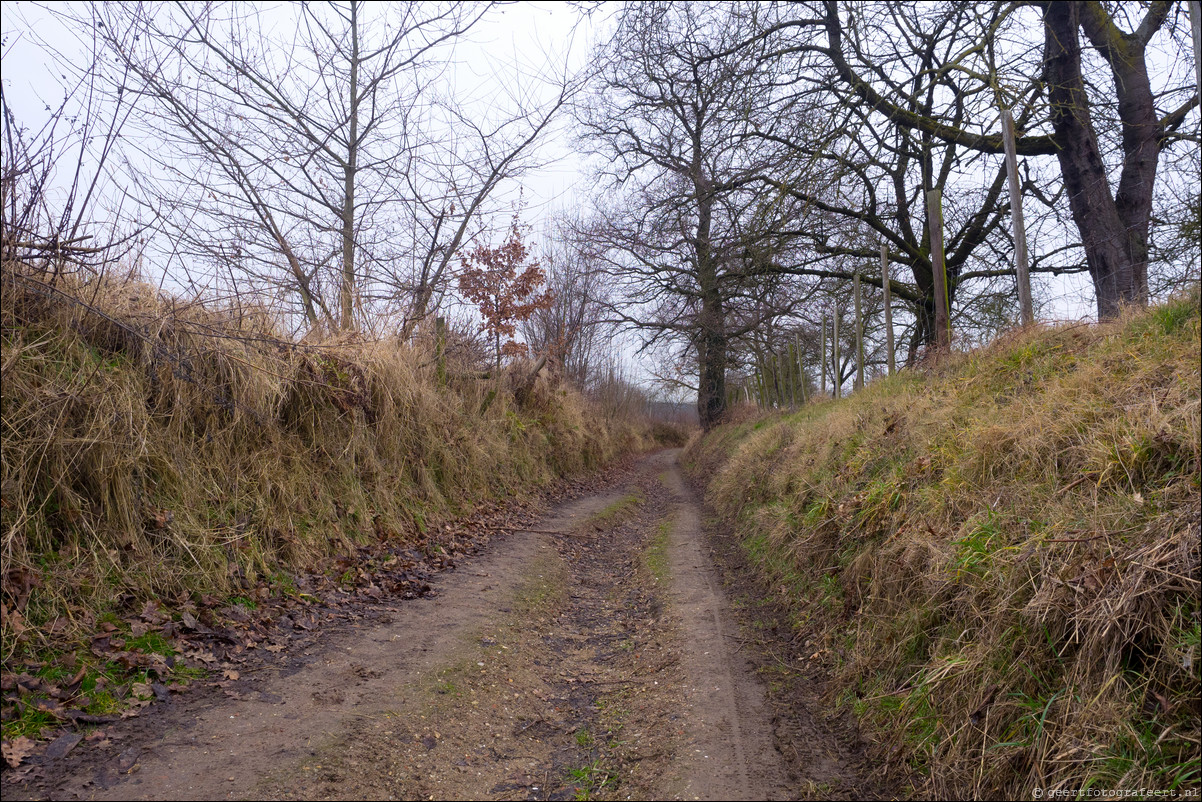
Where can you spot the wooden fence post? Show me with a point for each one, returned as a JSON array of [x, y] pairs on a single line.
[[943, 332], [859, 338], [773, 383], [762, 382], [886, 286], [836, 371], [786, 367], [1016, 218], [1195, 23], [822, 373], [801, 370]]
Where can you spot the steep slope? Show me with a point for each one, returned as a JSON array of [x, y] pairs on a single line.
[[155, 450], [997, 559]]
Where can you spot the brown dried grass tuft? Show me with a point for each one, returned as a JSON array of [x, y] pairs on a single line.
[[154, 448], [1015, 538]]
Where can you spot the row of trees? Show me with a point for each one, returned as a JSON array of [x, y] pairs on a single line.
[[754, 157], [764, 153]]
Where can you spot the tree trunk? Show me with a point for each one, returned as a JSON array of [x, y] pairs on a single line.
[[711, 390], [712, 337], [1114, 231], [347, 289]]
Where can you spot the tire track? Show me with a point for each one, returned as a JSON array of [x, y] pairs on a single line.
[[731, 754]]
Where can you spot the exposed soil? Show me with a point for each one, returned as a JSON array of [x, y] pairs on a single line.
[[594, 655]]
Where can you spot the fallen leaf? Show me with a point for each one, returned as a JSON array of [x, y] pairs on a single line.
[[78, 678], [49, 706], [142, 693], [61, 746], [151, 614], [12, 620], [17, 750]]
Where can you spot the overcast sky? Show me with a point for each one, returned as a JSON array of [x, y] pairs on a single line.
[[511, 44]]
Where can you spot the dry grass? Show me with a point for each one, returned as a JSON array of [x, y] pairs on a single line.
[[999, 558], [153, 449]]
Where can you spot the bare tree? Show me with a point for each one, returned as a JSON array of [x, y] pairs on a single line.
[[299, 138], [670, 122], [325, 150], [998, 64], [573, 329], [452, 178], [875, 173], [54, 179]]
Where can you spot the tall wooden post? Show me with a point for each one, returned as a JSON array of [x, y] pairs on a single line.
[[943, 332], [801, 371], [773, 382], [822, 373], [1195, 23], [791, 374], [859, 338], [782, 379], [1021, 264], [836, 372], [887, 288]]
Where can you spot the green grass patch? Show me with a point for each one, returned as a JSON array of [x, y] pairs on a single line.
[[616, 512], [655, 557]]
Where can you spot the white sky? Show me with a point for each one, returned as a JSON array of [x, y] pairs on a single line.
[[510, 44]]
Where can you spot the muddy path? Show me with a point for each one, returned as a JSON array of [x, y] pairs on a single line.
[[595, 655]]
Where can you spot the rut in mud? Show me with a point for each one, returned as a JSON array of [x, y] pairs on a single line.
[[594, 655]]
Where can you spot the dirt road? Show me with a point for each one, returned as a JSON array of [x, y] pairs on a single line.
[[595, 655]]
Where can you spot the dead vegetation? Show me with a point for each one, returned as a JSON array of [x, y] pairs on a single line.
[[154, 448], [998, 560]]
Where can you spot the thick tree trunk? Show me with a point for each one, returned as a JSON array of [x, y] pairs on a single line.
[[1114, 232], [711, 391], [712, 338]]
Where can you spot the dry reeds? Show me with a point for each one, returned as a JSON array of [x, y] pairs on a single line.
[[1005, 555], [153, 448]]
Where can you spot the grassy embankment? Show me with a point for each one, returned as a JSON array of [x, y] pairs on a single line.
[[153, 450], [997, 559]]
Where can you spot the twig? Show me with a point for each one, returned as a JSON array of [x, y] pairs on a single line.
[[522, 529], [656, 669], [1072, 484]]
